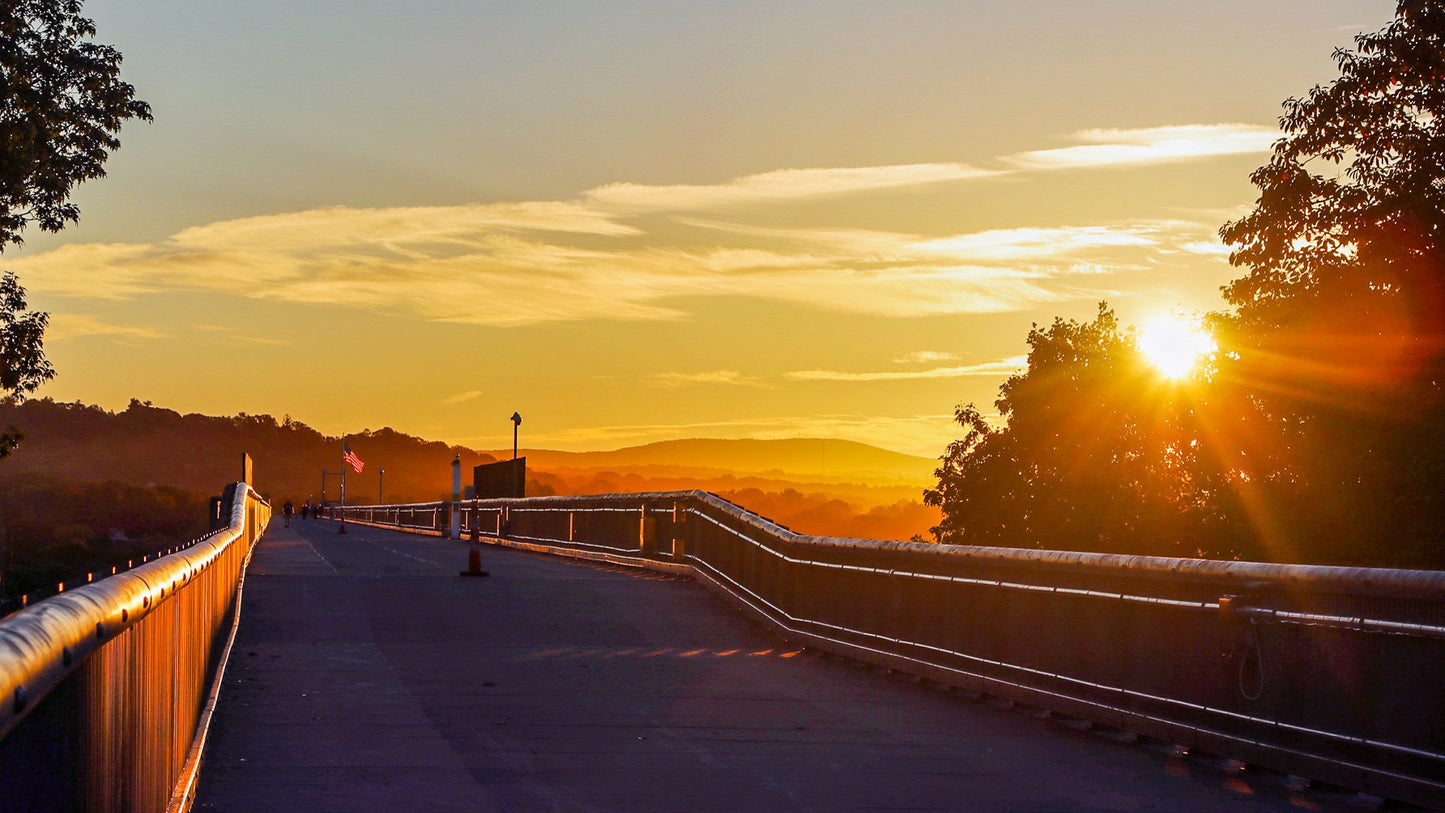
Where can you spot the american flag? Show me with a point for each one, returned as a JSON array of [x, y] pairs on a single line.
[[351, 458]]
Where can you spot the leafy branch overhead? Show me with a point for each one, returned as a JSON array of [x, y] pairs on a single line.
[[62, 102], [1353, 199]]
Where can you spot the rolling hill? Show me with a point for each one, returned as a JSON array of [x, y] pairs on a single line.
[[815, 460]]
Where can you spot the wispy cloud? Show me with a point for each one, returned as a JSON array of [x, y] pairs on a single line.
[[725, 377], [462, 397], [1001, 367], [925, 357], [776, 186], [1023, 244], [73, 325], [398, 230], [538, 262], [1207, 248], [501, 279], [267, 341], [1150, 145]]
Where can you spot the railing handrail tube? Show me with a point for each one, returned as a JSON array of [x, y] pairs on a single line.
[[1334, 578], [104, 688], [44, 642]]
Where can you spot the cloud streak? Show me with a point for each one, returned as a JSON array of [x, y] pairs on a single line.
[[724, 377], [1025, 244], [622, 252], [773, 187], [462, 397], [1002, 367], [925, 357], [502, 279], [1152, 145], [65, 326]]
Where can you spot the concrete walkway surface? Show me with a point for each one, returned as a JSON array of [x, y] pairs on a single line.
[[367, 675]]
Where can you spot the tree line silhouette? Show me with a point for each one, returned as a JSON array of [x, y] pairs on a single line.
[[147, 444]]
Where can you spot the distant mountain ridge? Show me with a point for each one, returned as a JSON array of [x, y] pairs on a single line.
[[820, 459]]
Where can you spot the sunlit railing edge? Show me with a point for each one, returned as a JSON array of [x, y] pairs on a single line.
[[1421, 583], [48, 642]]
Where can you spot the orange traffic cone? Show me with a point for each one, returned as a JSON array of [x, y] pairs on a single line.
[[474, 563]]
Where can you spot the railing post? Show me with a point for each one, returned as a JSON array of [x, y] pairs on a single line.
[[679, 524], [646, 532]]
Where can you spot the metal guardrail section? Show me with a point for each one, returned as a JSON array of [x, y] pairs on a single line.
[[1324, 672], [103, 688]]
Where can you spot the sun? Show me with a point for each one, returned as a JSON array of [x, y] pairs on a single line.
[[1174, 344]]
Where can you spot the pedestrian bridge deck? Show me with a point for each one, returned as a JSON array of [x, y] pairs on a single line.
[[367, 675]]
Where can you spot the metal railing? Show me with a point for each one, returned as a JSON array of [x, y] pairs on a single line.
[[1328, 673], [105, 689]]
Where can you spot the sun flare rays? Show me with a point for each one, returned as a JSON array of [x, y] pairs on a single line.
[[1175, 345]]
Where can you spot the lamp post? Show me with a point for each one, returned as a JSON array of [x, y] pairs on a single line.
[[380, 479], [516, 424], [455, 529]]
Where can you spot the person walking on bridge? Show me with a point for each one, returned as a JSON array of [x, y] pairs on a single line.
[[287, 509]]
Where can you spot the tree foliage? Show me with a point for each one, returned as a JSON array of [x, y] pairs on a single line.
[[149, 444], [61, 105], [58, 530], [62, 102], [1352, 202], [1339, 323], [23, 367], [1098, 454], [1317, 433]]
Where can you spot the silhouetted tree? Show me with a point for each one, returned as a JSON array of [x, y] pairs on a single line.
[[1317, 434], [1099, 453], [1336, 372], [23, 366], [61, 104], [139, 443]]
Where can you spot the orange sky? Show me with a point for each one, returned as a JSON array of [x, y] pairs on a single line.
[[637, 221]]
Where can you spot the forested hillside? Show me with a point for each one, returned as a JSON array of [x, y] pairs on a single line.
[[150, 445], [53, 530]]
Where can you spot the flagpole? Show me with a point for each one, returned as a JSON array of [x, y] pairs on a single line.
[[341, 529]]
